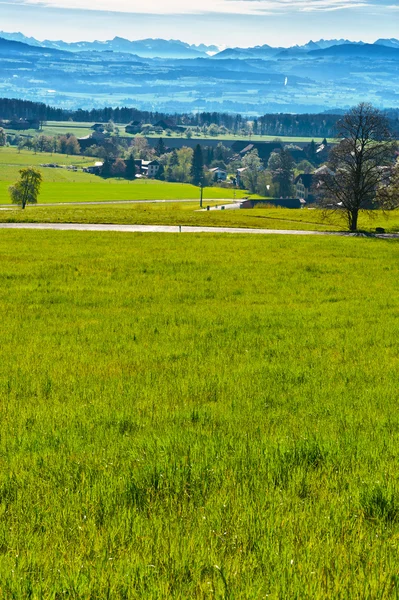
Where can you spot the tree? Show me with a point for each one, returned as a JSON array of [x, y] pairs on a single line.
[[253, 165], [160, 174], [281, 165], [264, 184], [3, 137], [106, 168], [27, 189], [130, 172], [197, 166], [355, 164], [311, 151], [72, 146], [160, 148], [118, 168], [109, 127], [140, 148]]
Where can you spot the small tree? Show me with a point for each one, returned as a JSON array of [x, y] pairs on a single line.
[[355, 165], [27, 189], [3, 137]]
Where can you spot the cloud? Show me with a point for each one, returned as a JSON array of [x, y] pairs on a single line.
[[200, 7]]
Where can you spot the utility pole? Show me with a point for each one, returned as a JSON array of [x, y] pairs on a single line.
[[202, 191]]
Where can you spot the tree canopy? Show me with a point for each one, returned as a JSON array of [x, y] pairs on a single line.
[[27, 189], [356, 164]]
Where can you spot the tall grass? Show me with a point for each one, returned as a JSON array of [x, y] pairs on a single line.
[[198, 417]]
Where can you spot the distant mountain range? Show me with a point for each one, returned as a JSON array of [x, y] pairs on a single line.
[[149, 48], [159, 48], [171, 76]]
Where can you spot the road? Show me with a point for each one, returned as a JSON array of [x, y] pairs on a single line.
[[97, 202], [182, 229]]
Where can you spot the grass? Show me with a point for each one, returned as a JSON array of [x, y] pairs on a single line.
[[75, 189], [83, 129], [198, 417], [62, 185], [188, 213], [10, 156]]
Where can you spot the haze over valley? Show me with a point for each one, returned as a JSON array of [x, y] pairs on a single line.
[[173, 76]]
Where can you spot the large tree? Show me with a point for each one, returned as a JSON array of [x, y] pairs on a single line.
[[281, 166], [27, 188], [253, 166], [197, 166], [356, 163]]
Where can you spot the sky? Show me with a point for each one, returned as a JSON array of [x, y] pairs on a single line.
[[225, 23]]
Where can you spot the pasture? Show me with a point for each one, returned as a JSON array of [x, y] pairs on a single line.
[[187, 213], [198, 416], [83, 129], [62, 185]]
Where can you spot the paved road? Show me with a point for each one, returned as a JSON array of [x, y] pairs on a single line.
[[96, 202], [182, 229]]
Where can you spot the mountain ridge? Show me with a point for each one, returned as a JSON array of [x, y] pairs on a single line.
[[162, 48]]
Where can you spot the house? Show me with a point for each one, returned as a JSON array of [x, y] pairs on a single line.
[[20, 124], [265, 149], [303, 185], [160, 126], [280, 202], [322, 152], [133, 127], [240, 172], [98, 127], [149, 168], [91, 140], [218, 174], [94, 169]]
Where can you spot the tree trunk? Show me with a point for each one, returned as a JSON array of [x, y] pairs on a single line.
[[354, 215]]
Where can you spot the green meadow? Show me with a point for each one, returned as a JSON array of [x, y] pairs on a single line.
[[188, 213], [10, 156], [198, 416], [63, 185], [82, 187], [83, 129]]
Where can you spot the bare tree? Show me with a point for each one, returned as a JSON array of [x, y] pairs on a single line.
[[356, 163]]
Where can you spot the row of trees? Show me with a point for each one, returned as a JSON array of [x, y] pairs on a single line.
[[310, 125]]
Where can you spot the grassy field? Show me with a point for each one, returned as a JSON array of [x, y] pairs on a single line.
[[198, 417], [9, 156], [62, 185], [75, 189], [188, 214], [83, 129]]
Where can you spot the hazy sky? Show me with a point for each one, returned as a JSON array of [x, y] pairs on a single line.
[[221, 22]]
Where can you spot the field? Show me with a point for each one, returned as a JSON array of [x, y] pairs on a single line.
[[10, 156], [62, 185], [75, 189], [83, 129], [198, 417], [188, 213]]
